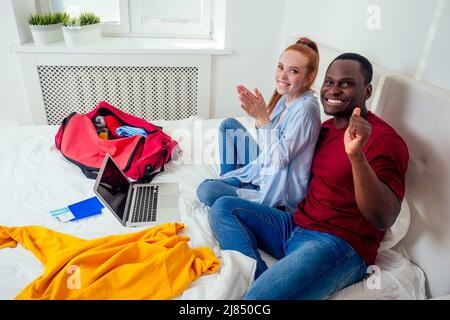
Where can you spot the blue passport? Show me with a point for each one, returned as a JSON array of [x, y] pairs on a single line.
[[86, 208]]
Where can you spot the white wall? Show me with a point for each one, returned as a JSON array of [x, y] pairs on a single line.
[[412, 38], [13, 100], [253, 32], [437, 64]]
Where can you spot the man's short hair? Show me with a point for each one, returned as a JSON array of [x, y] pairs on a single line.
[[366, 66]]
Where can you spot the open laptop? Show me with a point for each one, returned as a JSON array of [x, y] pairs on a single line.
[[134, 204]]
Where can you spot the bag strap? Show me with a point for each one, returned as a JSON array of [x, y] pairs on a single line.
[[149, 171], [90, 173]]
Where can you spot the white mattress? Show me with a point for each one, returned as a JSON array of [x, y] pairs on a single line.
[[35, 179]]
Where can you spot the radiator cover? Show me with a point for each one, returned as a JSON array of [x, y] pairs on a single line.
[[152, 93]]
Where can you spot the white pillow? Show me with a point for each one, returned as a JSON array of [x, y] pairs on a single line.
[[170, 125], [398, 230]]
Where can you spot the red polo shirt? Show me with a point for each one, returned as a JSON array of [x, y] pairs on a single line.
[[330, 204]]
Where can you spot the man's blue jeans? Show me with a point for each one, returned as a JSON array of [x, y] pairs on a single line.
[[312, 265]]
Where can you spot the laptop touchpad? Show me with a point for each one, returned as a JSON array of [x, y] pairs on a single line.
[[167, 201]]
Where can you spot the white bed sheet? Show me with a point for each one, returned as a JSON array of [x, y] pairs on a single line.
[[35, 179]]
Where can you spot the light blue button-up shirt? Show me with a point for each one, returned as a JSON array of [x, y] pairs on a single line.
[[282, 169]]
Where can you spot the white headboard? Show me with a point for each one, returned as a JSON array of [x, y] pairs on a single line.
[[420, 113]]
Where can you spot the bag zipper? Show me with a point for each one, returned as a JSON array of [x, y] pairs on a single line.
[[126, 123]]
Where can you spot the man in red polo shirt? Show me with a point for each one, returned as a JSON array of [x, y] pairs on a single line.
[[355, 193]]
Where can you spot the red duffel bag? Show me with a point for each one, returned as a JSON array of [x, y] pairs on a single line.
[[139, 157]]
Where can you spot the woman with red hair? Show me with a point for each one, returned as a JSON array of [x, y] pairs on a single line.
[[275, 169]]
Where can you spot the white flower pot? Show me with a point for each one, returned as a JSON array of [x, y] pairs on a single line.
[[74, 36], [43, 35]]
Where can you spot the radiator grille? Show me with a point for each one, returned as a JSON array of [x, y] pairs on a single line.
[[169, 93]]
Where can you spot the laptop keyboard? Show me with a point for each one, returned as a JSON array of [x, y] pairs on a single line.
[[145, 204]]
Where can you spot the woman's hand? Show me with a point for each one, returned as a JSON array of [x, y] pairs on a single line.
[[254, 105]]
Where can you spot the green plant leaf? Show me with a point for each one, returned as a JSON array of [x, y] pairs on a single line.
[[46, 18]]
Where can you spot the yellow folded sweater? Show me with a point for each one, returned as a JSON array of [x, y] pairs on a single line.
[[155, 263]]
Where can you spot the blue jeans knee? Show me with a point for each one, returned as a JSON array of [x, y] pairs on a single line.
[[229, 123], [212, 189], [203, 192]]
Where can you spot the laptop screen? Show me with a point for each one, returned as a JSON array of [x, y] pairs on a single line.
[[113, 188]]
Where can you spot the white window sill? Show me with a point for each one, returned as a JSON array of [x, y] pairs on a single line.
[[117, 45]]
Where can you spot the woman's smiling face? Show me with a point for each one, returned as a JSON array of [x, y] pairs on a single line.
[[290, 76]]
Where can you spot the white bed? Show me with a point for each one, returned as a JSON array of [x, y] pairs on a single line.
[[35, 179]]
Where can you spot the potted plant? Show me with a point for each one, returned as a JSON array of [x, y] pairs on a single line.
[[82, 29], [46, 28]]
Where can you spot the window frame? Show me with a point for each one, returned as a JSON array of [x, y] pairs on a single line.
[[130, 25]]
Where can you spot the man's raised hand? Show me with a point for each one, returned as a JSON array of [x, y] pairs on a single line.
[[357, 134]]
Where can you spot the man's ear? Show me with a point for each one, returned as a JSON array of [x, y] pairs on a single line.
[[368, 92]]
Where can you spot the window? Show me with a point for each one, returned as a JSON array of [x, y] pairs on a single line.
[[158, 18], [108, 10], [174, 17]]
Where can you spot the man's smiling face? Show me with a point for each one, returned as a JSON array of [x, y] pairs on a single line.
[[343, 88]]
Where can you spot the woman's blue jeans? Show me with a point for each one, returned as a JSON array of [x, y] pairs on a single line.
[[212, 189], [311, 265], [237, 149]]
